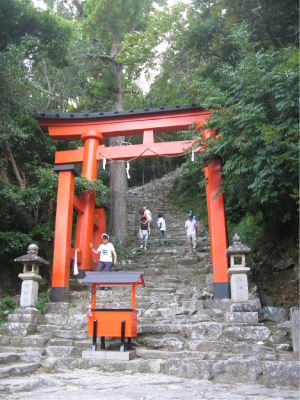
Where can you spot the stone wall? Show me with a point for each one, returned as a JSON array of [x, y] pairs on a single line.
[[131, 211]]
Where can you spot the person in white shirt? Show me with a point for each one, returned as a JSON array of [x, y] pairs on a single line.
[[106, 251], [191, 229], [148, 215], [161, 223]]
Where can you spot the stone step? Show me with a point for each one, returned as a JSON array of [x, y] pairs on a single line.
[[162, 284], [26, 354], [18, 369], [61, 342], [153, 242], [79, 344], [86, 343], [182, 330], [134, 366], [236, 369], [70, 334], [247, 333], [48, 328], [288, 357], [63, 351], [241, 317], [165, 279], [165, 355], [19, 328], [140, 297], [4, 340], [8, 358], [162, 289], [56, 308], [158, 328], [36, 341], [57, 320]]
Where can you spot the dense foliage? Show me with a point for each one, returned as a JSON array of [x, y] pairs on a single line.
[[35, 45], [257, 133], [238, 59], [240, 62]]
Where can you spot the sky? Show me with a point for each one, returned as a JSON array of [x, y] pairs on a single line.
[[145, 85], [41, 4]]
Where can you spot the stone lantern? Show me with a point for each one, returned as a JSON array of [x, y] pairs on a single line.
[[237, 271], [30, 276]]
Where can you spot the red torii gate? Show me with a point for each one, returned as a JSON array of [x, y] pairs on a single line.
[[91, 129]]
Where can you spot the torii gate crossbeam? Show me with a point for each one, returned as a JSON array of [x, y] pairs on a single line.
[[91, 129]]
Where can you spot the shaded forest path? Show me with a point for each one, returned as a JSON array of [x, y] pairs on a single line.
[[182, 330]]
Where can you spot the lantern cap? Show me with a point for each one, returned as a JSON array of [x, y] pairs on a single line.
[[31, 257], [237, 247]]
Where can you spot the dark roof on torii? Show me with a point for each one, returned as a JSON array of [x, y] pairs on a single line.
[[71, 126], [82, 115]]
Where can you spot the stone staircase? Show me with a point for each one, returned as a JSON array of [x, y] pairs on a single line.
[[182, 329]]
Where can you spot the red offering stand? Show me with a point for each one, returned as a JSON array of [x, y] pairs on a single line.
[[113, 322]]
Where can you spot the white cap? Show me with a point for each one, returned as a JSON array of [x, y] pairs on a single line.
[[105, 234]]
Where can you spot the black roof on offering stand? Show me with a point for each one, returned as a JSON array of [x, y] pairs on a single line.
[[114, 278]]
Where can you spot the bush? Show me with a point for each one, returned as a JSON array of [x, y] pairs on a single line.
[[7, 304]]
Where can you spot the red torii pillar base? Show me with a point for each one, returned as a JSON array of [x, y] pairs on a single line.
[[217, 228]]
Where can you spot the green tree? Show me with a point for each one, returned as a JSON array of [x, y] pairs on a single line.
[[160, 51], [107, 22], [257, 132], [197, 39], [235, 58], [40, 32], [30, 39]]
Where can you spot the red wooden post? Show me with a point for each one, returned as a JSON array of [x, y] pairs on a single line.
[[94, 296], [99, 229], [133, 297], [77, 240], [91, 140], [63, 233], [217, 229], [207, 188]]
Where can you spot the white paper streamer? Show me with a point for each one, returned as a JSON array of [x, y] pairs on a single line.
[[75, 271], [104, 162], [127, 170], [193, 158], [89, 313]]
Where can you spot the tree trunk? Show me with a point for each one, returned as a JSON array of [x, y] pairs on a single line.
[[117, 178], [21, 181]]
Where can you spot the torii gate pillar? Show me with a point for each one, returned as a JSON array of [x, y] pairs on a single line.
[[63, 232], [217, 229], [91, 140], [66, 200]]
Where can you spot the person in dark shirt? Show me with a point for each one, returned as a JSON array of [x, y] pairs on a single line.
[[144, 231]]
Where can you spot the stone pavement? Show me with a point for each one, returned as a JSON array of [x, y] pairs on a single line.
[[91, 385]]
